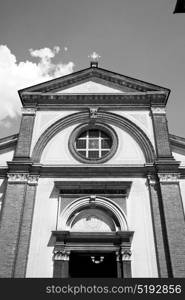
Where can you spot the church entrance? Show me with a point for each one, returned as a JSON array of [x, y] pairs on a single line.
[[92, 265]]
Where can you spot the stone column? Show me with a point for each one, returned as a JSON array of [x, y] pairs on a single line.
[[174, 222], [61, 263], [158, 226], [11, 217], [25, 135], [126, 262], [26, 226], [119, 267]]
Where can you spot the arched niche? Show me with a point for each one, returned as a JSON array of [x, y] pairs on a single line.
[[102, 117], [92, 214]]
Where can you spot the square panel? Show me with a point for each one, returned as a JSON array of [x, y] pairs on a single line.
[[93, 154], [81, 144], [93, 143]]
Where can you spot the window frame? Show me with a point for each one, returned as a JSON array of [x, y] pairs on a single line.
[[86, 127]]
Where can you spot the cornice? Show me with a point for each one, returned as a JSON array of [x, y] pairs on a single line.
[[139, 99], [77, 171], [91, 171], [96, 74]]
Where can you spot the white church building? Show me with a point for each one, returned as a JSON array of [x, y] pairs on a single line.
[[93, 185]]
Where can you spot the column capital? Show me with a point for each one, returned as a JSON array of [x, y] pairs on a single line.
[[151, 179], [158, 110], [22, 178], [117, 255], [28, 110], [33, 179], [126, 254], [168, 177], [61, 255], [17, 177]]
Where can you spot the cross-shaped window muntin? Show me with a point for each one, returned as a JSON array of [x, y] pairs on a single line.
[[93, 144]]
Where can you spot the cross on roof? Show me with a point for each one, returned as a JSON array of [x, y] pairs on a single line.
[[94, 59]]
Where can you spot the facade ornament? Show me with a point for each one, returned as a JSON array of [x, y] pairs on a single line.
[[94, 57], [28, 110], [126, 254], [169, 177], [61, 255], [22, 177], [151, 179], [92, 201], [17, 177], [93, 112], [158, 110], [33, 179], [97, 260], [118, 256]]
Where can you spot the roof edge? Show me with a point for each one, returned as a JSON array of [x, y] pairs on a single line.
[[8, 141], [177, 141]]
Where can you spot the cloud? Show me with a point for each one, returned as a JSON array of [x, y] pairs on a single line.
[[17, 75]]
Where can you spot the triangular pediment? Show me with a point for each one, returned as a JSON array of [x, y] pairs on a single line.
[[93, 80], [91, 87]]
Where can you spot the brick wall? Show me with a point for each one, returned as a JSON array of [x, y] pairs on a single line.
[[175, 226], [158, 229], [10, 226], [25, 232], [25, 137], [161, 135]]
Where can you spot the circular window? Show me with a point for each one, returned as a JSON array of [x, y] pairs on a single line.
[[93, 144]]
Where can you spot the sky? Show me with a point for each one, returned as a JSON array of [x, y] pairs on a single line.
[[44, 39]]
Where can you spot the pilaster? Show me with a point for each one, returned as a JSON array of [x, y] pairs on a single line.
[[25, 230], [119, 266], [158, 226], [25, 134], [174, 221], [126, 262], [161, 133], [61, 263], [11, 217]]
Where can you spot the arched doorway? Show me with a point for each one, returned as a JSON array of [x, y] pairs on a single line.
[[93, 240]]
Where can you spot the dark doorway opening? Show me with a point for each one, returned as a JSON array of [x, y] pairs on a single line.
[[92, 265]]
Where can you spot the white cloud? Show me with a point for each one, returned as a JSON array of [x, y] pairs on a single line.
[[17, 75]]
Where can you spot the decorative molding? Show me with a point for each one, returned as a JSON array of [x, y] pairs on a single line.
[[33, 179], [96, 74], [151, 179], [158, 110], [17, 177], [117, 256], [28, 111], [96, 260], [61, 255], [169, 177], [131, 100], [126, 254], [22, 178], [118, 215], [102, 117], [93, 112]]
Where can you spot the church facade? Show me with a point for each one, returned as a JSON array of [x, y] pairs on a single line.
[[93, 185]]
